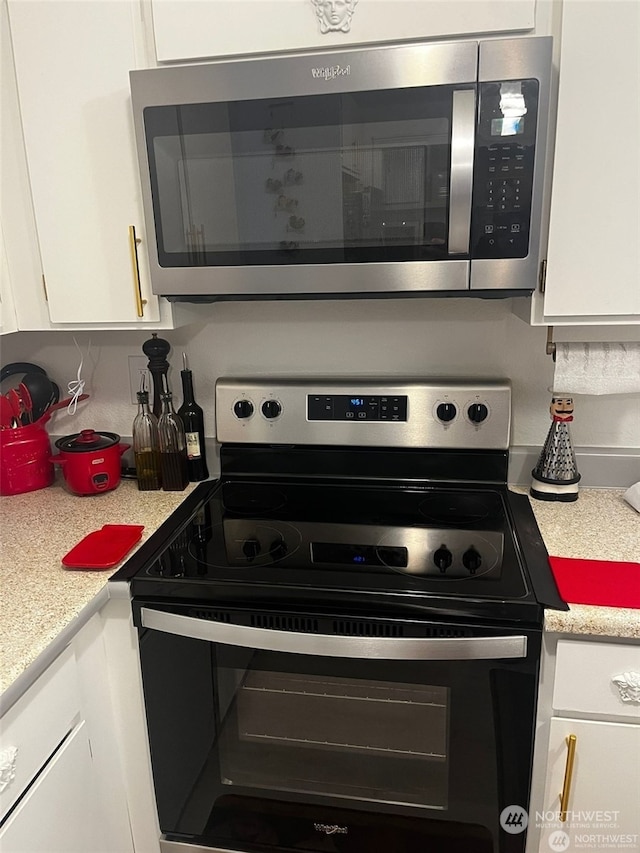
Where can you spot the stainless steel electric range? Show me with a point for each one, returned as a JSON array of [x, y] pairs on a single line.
[[340, 638]]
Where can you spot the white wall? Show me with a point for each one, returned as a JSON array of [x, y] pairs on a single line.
[[430, 337]]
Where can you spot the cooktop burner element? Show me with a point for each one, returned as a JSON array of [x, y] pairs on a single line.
[[457, 508]]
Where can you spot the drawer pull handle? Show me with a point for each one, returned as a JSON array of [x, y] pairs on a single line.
[[628, 684], [7, 766], [134, 242], [568, 774]]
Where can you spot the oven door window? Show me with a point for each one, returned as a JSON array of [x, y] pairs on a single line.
[[324, 733], [236, 733], [351, 177]]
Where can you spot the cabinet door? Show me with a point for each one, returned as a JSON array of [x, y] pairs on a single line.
[[22, 294], [56, 815], [111, 811], [190, 29], [593, 261], [7, 312], [72, 63], [605, 785]]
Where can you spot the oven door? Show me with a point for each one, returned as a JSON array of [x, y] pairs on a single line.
[[282, 732]]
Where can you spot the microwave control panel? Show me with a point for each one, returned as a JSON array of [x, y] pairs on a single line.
[[503, 169]]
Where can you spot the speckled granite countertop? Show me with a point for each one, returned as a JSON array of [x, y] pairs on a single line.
[[600, 525], [40, 598]]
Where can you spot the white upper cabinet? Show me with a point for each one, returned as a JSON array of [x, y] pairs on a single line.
[[21, 292], [8, 321], [191, 29], [72, 62], [593, 259]]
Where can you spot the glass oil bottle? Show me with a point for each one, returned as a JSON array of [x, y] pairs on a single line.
[[146, 445]]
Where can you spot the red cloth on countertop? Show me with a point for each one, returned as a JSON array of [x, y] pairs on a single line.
[[602, 582]]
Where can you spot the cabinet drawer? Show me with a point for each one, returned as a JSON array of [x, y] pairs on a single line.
[[35, 725], [597, 678]]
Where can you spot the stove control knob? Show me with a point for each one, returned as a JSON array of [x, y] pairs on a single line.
[[446, 412], [278, 549], [271, 409], [477, 412], [443, 558], [243, 409], [472, 560], [251, 549]]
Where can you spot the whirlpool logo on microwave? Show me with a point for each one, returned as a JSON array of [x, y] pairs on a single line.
[[332, 71], [331, 828]]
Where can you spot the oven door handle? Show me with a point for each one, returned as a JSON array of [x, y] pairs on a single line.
[[325, 645]]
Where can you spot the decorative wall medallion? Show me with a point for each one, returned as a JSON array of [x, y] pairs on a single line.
[[628, 683], [7, 766], [334, 15]]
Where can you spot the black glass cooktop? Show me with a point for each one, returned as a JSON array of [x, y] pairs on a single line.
[[449, 542]]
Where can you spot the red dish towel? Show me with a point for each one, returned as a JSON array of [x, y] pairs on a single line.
[[603, 582]]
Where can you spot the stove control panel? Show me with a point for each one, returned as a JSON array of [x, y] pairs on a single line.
[[364, 412]]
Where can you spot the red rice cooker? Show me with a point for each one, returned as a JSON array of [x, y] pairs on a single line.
[[90, 461]]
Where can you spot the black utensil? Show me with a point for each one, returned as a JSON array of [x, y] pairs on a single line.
[[43, 392]]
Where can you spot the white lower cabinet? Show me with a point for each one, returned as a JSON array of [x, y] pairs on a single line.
[[586, 785], [61, 788], [603, 790], [55, 815]]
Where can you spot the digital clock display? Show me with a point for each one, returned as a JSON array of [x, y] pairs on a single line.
[[352, 407], [347, 554]]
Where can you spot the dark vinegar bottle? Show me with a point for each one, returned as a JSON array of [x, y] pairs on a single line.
[[192, 417]]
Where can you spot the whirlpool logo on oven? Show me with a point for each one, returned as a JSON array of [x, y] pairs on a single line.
[[332, 71], [331, 828]]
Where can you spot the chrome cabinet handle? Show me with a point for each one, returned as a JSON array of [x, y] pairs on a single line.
[[324, 645], [568, 776], [463, 127], [137, 287]]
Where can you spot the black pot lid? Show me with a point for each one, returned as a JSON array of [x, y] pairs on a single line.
[[87, 440]]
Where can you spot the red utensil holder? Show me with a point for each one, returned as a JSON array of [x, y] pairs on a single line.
[[24, 460]]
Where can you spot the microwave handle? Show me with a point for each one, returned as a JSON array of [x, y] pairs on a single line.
[[323, 645], [463, 127]]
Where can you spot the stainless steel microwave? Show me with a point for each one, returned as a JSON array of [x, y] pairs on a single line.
[[391, 170]]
